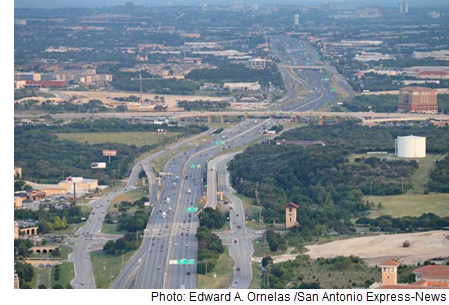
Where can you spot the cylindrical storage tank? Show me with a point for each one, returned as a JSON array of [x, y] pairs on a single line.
[[411, 147]]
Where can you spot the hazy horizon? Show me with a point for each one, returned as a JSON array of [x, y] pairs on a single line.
[[154, 3]]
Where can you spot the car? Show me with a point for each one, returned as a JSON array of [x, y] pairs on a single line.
[[152, 244], [235, 222], [166, 226], [187, 245], [99, 218], [187, 234], [176, 245], [238, 269], [236, 215], [184, 221], [182, 233], [188, 273], [235, 241], [159, 267], [82, 283], [162, 250], [239, 227]]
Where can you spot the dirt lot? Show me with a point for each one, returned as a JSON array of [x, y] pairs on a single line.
[[374, 249], [106, 97]]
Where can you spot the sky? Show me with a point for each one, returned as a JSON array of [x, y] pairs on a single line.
[[99, 3]]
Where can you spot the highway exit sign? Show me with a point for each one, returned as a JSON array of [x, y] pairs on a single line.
[[192, 165], [186, 261], [219, 142], [191, 209]]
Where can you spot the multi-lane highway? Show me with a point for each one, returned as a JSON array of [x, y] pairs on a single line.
[[170, 235], [239, 239], [301, 67], [90, 232]]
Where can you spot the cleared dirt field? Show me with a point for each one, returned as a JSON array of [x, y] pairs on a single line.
[[374, 249], [106, 97]]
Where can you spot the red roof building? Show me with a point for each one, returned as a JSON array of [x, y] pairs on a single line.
[[434, 74]]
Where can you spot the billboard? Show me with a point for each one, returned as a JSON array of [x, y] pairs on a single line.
[[109, 153], [74, 179], [98, 165]]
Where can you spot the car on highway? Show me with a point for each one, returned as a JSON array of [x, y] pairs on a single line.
[[187, 245], [188, 273]]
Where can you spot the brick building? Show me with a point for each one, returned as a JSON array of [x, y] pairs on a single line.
[[418, 100]]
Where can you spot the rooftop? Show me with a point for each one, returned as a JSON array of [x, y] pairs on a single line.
[[417, 89], [390, 263], [432, 271]]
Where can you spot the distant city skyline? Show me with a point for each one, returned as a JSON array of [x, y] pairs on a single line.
[[100, 3]]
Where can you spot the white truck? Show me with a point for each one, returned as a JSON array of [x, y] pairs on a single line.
[[189, 191], [169, 210], [167, 200], [164, 215]]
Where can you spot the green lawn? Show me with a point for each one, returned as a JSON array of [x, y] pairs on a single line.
[[43, 276], [65, 251], [128, 196], [70, 228], [224, 270], [158, 164], [138, 138], [110, 229], [66, 272], [410, 205], [255, 282], [106, 267]]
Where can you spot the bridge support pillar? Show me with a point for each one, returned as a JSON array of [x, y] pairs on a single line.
[[220, 195], [321, 121], [210, 119], [159, 180], [222, 118]]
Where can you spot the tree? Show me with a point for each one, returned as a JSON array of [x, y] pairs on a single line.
[[64, 223], [42, 286], [68, 286], [58, 286], [267, 260], [57, 223], [120, 244]]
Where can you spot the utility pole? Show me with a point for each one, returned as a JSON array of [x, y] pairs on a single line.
[[426, 184], [258, 204], [371, 187]]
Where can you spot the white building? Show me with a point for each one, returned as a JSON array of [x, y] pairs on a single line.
[[403, 7], [242, 86], [258, 63], [366, 56], [437, 55], [410, 147]]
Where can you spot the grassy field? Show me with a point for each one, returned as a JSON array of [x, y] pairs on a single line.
[[65, 251], [106, 268], [128, 196], [110, 229], [410, 205], [259, 250], [224, 270], [419, 177], [255, 282], [159, 163], [43, 277], [66, 272], [138, 138], [70, 228], [329, 277]]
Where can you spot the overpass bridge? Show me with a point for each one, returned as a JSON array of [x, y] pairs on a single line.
[[210, 116]]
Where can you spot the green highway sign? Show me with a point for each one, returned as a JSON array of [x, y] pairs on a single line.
[[192, 165], [332, 90], [191, 209], [219, 142], [186, 261]]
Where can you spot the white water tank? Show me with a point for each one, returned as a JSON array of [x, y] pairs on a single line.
[[410, 147]]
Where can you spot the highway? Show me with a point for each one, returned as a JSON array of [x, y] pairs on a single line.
[[90, 232], [172, 238], [239, 239], [297, 59]]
